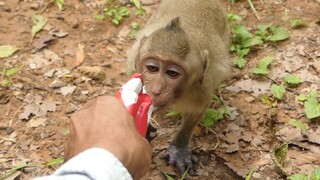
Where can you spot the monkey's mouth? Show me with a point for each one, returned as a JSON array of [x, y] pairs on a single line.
[[157, 103]]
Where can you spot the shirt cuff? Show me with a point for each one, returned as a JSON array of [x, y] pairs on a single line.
[[94, 163]]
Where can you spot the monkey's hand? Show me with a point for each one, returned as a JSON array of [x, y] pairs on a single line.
[[180, 158]]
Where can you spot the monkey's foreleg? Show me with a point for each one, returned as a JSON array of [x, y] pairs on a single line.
[[178, 153]]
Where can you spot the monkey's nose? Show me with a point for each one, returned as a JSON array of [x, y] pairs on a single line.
[[156, 92]]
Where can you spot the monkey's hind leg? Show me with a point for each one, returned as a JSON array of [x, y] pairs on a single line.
[[179, 154]]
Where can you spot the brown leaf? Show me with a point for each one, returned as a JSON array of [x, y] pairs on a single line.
[[36, 122], [80, 56], [43, 41]]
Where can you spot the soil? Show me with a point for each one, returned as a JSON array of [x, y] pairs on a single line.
[[53, 83]]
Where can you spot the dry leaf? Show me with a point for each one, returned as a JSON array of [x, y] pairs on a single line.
[[80, 56], [43, 41], [94, 72], [36, 122], [67, 90]]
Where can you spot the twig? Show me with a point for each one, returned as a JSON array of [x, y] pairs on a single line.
[[314, 59], [257, 147], [253, 9]]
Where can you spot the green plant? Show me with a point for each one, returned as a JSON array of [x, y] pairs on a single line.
[[292, 79], [315, 175], [139, 9], [115, 13], [297, 23], [7, 50], [7, 76], [243, 40], [263, 66], [212, 116], [298, 124], [278, 91], [134, 30], [311, 104]]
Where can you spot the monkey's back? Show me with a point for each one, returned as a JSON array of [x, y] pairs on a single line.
[[193, 13]]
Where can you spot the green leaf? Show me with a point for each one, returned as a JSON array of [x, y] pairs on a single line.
[[123, 11], [60, 3], [249, 42], [292, 79], [140, 11], [315, 175], [297, 23], [280, 153], [266, 61], [242, 52], [38, 23], [168, 177], [233, 17], [241, 32], [263, 65], [313, 94], [7, 50], [298, 124], [99, 17], [278, 91], [302, 97], [260, 71], [239, 61], [312, 107], [135, 25], [250, 174], [56, 161], [12, 71], [263, 28], [266, 99], [172, 114], [299, 176], [211, 116], [5, 83], [278, 34], [136, 3]]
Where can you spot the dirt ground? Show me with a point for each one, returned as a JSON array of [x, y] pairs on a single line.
[[35, 108]]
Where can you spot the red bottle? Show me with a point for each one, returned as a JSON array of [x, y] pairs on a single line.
[[133, 95]]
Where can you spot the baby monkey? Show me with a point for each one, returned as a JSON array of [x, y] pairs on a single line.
[[184, 50]]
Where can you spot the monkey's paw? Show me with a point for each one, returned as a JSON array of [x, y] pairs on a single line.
[[180, 158]]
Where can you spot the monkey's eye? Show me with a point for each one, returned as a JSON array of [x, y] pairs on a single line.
[[152, 67], [173, 72]]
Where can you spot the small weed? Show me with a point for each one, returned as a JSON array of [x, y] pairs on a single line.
[[315, 175], [243, 40], [134, 30], [7, 76], [297, 23], [115, 13]]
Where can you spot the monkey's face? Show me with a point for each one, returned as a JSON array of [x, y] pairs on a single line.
[[163, 80]]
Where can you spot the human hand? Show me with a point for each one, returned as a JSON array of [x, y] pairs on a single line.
[[105, 123]]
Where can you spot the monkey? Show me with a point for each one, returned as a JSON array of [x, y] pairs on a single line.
[[183, 50]]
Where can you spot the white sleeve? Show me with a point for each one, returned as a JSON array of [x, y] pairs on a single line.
[[92, 164]]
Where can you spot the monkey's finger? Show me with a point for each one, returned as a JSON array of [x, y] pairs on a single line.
[[181, 167], [189, 163], [194, 159]]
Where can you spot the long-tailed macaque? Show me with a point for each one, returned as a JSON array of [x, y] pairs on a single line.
[[184, 51]]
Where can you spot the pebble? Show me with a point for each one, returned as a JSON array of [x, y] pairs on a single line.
[[35, 6]]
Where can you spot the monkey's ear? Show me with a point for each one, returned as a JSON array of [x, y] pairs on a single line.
[[142, 41], [173, 24], [204, 56]]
